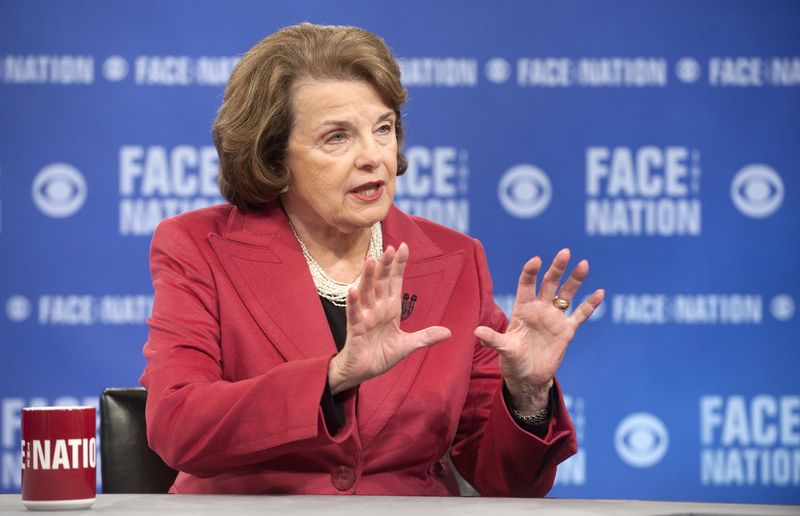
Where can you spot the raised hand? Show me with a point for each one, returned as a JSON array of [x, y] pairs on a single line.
[[533, 346], [375, 341]]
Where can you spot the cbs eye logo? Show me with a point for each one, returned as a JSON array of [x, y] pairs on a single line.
[[641, 440], [757, 191], [524, 191], [59, 190]]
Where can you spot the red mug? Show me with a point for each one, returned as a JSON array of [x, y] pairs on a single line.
[[58, 457]]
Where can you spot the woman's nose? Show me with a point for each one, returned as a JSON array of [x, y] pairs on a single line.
[[369, 154]]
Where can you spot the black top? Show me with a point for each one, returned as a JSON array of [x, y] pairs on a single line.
[[333, 405]]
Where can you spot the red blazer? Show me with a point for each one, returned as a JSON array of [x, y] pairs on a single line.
[[237, 361]]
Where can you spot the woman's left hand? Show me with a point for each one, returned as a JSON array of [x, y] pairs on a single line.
[[538, 333]]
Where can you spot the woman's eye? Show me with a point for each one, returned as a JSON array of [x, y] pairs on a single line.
[[385, 129], [335, 138]]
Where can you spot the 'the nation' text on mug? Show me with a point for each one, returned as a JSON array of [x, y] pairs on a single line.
[[58, 457]]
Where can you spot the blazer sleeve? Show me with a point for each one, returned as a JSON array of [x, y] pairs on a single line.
[[494, 454], [198, 421]]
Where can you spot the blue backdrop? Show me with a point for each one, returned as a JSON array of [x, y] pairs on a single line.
[[660, 140]]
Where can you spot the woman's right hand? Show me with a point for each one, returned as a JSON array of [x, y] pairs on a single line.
[[375, 342]]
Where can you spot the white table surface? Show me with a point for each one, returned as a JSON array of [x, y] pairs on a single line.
[[154, 505]]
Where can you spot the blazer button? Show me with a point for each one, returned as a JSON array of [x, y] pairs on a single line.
[[343, 477]]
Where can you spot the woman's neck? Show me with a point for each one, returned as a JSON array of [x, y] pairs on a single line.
[[341, 255]]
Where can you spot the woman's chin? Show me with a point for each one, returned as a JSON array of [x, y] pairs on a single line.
[[374, 211], [367, 217]]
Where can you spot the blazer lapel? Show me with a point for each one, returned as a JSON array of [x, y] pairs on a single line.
[[431, 276], [263, 260]]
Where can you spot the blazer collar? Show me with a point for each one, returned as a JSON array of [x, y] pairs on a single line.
[[265, 264], [399, 227]]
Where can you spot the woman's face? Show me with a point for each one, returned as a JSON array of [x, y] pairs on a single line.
[[342, 154]]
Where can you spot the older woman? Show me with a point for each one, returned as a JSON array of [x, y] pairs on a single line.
[[309, 337]]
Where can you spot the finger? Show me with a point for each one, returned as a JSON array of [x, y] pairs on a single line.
[[382, 273], [553, 275], [587, 308], [366, 287], [490, 338], [430, 336], [526, 287], [573, 283], [353, 309], [398, 268]]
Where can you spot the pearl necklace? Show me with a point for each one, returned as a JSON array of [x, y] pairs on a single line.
[[332, 290]]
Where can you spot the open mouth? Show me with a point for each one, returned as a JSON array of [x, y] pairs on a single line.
[[368, 191]]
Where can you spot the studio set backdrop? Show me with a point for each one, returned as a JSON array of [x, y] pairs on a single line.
[[660, 140]]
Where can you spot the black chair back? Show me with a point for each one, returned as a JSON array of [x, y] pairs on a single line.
[[128, 463]]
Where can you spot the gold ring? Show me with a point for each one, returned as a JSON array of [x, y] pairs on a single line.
[[561, 304]]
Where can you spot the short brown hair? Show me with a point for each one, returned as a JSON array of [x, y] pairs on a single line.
[[251, 131]]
